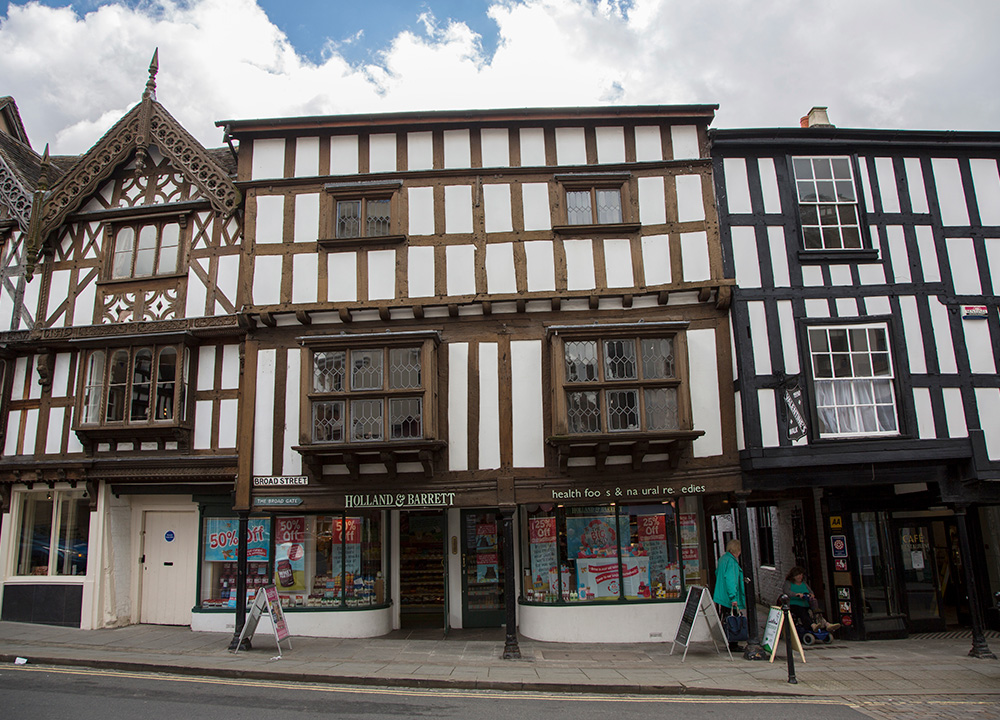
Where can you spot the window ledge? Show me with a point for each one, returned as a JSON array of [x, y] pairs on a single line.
[[90, 435], [389, 453], [361, 241], [635, 445], [598, 229], [144, 280], [807, 257]]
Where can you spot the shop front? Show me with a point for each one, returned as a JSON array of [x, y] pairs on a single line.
[[611, 571], [379, 564], [48, 575], [897, 570], [329, 571]]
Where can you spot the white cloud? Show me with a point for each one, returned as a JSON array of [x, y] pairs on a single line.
[[896, 63]]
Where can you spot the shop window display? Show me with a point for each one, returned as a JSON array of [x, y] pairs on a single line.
[[318, 561], [219, 560], [54, 532], [330, 561], [606, 553]]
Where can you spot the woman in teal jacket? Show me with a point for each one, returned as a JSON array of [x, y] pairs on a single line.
[[730, 594]]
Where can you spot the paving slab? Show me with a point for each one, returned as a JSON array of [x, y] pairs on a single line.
[[896, 668]]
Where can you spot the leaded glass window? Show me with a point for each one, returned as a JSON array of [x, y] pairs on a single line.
[[621, 384]]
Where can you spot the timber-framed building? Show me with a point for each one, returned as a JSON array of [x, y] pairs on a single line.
[[867, 273], [478, 331], [120, 354]]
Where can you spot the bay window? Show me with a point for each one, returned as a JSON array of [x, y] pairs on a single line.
[[620, 382], [139, 387], [371, 389]]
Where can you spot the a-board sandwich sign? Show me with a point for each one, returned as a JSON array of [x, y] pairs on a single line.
[[778, 621], [267, 600], [699, 605]]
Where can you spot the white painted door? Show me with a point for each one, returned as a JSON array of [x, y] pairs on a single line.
[[169, 564]]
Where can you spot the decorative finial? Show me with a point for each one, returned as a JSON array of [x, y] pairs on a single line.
[[154, 65], [43, 176]]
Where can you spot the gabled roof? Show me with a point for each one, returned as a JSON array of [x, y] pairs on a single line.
[[12, 120], [148, 123], [20, 167]]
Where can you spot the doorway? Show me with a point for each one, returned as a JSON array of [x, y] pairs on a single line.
[[169, 555], [950, 573], [422, 580], [920, 574], [482, 570]]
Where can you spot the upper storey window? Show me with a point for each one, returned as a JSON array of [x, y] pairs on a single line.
[[621, 384], [595, 202], [593, 206], [371, 392], [144, 249], [365, 217], [138, 386], [353, 212], [828, 204], [853, 381]]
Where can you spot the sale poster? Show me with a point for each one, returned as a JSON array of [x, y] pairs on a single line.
[[542, 549], [289, 553], [590, 536], [348, 560], [689, 528], [222, 539], [652, 535]]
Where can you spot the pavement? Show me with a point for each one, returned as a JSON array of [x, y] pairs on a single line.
[[921, 665]]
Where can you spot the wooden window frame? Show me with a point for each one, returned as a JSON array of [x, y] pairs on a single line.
[[860, 224], [600, 334], [335, 193], [138, 221], [426, 342], [91, 429], [592, 183], [886, 328]]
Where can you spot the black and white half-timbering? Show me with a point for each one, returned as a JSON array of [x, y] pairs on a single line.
[[866, 337], [460, 317], [120, 357]]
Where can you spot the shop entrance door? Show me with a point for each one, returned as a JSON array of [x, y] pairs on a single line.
[[422, 569], [169, 555], [878, 584], [950, 573], [482, 570], [919, 576]]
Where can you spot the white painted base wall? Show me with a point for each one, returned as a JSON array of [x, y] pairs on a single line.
[[354, 624], [632, 623]]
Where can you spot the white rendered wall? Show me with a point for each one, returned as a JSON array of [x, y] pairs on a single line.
[[353, 624], [630, 623]]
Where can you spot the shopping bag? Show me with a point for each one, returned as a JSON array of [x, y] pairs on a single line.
[[737, 629]]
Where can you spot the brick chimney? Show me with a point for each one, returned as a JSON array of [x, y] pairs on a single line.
[[817, 117]]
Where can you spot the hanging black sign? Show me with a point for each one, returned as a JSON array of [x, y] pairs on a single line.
[[795, 424]]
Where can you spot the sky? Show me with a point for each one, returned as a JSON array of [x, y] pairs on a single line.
[[75, 68]]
